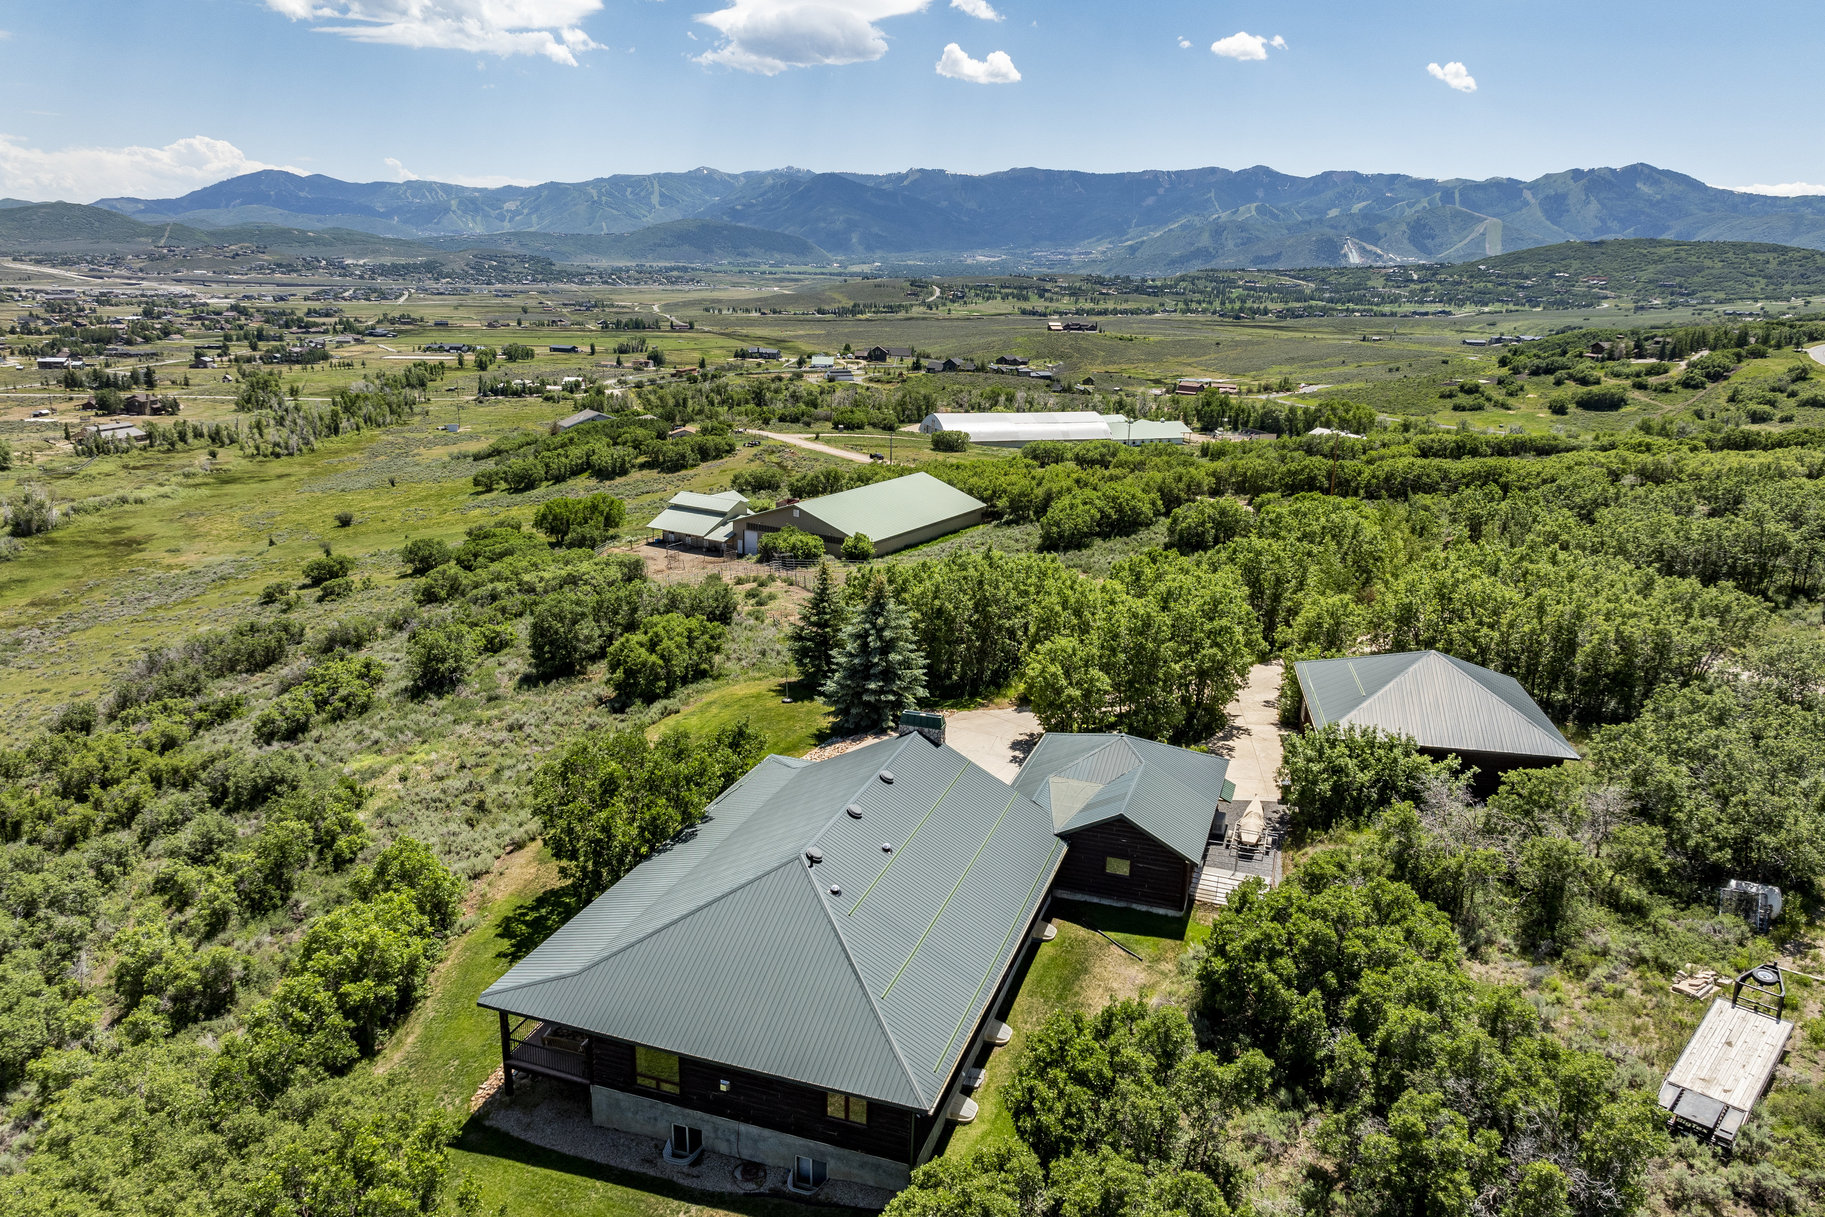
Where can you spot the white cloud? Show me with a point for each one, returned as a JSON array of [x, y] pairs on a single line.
[[82, 174], [403, 174], [977, 8], [494, 27], [486, 181], [770, 36], [1246, 46], [1184, 43], [1454, 74], [997, 69], [1785, 190]]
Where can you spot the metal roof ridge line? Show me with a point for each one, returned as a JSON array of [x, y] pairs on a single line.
[[1450, 663], [880, 1019], [901, 848]]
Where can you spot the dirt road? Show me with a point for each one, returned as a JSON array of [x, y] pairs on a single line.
[[801, 442]]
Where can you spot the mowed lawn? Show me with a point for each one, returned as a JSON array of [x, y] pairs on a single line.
[[1100, 954]]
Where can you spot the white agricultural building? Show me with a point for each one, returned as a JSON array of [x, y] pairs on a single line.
[[1014, 430]]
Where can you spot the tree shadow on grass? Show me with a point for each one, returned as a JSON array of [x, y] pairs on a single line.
[[531, 923]]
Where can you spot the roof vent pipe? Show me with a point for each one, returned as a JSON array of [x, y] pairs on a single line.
[[886, 777], [854, 810], [813, 856]]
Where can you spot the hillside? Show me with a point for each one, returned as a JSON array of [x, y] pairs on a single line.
[[695, 242], [1150, 222]]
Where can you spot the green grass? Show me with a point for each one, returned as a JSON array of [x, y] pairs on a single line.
[[1081, 969], [790, 729]]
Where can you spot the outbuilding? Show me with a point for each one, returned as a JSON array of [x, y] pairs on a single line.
[[894, 514], [1014, 430], [1446, 705], [704, 520], [1146, 431], [579, 418]]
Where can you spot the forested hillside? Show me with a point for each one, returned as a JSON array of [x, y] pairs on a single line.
[[227, 880]]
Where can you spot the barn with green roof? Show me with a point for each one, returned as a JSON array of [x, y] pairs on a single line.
[[894, 514]]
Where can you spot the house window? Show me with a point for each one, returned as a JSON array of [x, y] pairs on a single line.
[[656, 1070], [839, 1106], [1115, 866]]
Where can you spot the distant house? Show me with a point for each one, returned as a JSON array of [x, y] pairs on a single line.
[[581, 417], [706, 521], [888, 354], [1071, 326], [807, 979], [759, 353], [841, 374], [950, 365], [380, 333], [1446, 705], [823, 361], [113, 431], [146, 403], [1191, 386], [682, 325], [893, 514], [565, 349], [1010, 361], [53, 363], [1476, 342]]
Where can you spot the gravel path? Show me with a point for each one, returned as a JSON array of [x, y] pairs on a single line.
[[802, 442]]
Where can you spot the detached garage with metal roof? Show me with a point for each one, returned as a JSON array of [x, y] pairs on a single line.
[[706, 520], [894, 514], [1444, 704]]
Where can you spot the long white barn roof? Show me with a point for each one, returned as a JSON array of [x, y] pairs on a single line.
[[1021, 428]]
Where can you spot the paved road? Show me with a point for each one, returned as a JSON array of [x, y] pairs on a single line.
[[801, 442], [1817, 353]]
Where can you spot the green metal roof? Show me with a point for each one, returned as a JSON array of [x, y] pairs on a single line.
[[881, 510], [1168, 793], [864, 972], [702, 515], [1438, 700], [1145, 430]]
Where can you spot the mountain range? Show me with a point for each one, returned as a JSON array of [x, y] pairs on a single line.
[[1150, 222]]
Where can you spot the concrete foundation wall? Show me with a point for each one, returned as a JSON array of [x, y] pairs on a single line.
[[654, 1118]]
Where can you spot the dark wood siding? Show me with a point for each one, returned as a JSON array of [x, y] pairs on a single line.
[[766, 1102], [1156, 876]]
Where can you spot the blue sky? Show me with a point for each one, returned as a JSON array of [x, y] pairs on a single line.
[[155, 97]]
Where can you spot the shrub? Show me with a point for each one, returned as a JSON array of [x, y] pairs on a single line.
[[666, 653], [410, 868], [599, 513], [275, 593], [319, 571], [563, 635], [790, 542], [335, 589], [857, 548], [438, 657], [344, 518], [31, 513], [1609, 397], [346, 634], [287, 718], [950, 441], [761, 479], [424, 555], [493, 637], [610, 463], [1206, 524]]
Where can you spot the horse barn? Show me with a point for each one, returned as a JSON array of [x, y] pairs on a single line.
[[894, 514], [1446, 705], [810, 978]]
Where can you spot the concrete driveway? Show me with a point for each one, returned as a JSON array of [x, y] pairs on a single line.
[[1252, 739], [997, 740]]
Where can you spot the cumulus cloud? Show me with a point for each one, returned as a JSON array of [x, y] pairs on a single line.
[[1785, 190], [997, 69], [1184, 43], [770, 36], [82, 174], [1454, 74], [494, 27], [1246, 46], [977, 8]]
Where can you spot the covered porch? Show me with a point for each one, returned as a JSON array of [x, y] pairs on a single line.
[[549, 1050]]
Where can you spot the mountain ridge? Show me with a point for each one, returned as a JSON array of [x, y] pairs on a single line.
[[1154, 221]]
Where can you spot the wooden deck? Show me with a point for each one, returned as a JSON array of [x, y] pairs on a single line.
[[1228, 863], [1725, 1068]]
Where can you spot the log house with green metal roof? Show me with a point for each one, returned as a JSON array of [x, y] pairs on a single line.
[[804, 978]]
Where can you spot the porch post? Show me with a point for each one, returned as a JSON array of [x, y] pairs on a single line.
[[506, 1056]]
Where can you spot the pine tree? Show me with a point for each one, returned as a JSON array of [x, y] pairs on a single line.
[[814, 639], [880, 670]]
